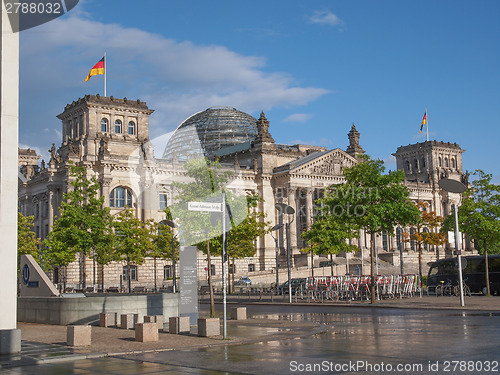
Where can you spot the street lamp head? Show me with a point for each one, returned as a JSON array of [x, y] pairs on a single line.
[[452, 186], [284, 208], [276, 227], [170, 223]]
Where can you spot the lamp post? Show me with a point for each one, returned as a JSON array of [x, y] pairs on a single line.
[[172, 225], [276, 227], [289, 210], [454, 186]]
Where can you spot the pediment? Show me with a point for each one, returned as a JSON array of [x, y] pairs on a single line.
[[330, 163]]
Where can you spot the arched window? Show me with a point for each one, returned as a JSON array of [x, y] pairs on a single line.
[[415, 163], [423, 162], [118, 126], [440, 161], [104, 125], [446, 163], [453, 163], [120, 197], [131, 128], [407, 165]]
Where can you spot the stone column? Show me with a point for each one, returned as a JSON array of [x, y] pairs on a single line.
[[309, 207], [105, 184], [10, 337], [293, 227], [52, 206]]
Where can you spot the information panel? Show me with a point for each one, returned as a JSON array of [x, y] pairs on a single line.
[[188, 283]]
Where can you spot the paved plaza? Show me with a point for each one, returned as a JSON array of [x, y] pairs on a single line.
[[280, 338]]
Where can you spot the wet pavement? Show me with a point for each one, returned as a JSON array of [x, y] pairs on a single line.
[[284, 339]]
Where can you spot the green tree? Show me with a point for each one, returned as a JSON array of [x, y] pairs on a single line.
[[134, 239], [372, 200], [208, 180], [425, 231], [241, 237], [479, 216], [162, 244], [83, 225], [27, 242], [329, 233]]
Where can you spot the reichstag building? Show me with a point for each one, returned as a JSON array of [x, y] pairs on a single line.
[[110, 137]]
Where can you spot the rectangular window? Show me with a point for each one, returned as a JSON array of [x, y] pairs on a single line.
[[213, 269], [167, 272], [163, 201], [251, 268], [133, 273], [231, 268]]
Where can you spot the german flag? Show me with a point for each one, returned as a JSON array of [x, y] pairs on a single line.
[[97, 69], [424, 120]]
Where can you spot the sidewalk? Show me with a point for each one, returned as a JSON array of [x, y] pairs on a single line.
[[43, 344]]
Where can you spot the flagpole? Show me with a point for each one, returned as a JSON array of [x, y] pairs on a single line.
[[427, 124], [106, 72]]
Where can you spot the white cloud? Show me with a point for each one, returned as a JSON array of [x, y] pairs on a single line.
[[325, 17], [176, 78], [390, 163], [298, 117]]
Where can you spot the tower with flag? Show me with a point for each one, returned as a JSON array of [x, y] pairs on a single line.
[[99, 68]]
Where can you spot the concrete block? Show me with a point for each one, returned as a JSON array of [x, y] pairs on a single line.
[[208, 327], [146, 332], [10, 341], [79, 335], [238, 313], [127, 321], [159, 321], [107, 319], [149, 319], [179, 324]]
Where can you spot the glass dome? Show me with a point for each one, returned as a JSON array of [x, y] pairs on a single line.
[[206, 132]]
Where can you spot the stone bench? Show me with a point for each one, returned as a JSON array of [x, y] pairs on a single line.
[[238, 313], [179, 324], [146, 332], [108, 319], [208, 327], [79, 335]]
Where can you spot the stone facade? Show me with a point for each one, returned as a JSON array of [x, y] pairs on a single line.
[[110, 137]]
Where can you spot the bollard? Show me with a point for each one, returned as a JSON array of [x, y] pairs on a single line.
[[146, 332], [79, 335], [208, 327]]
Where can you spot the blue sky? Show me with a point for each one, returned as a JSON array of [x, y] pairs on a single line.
[[314, 67]]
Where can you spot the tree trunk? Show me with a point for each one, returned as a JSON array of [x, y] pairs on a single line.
[[154, 266], [420, 266], [372, 268], [102, 277], [84, 272], [129, 279], [312, 264], [487, 269], [331, 264], [65, 278], [232, 279], [210, 288]]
